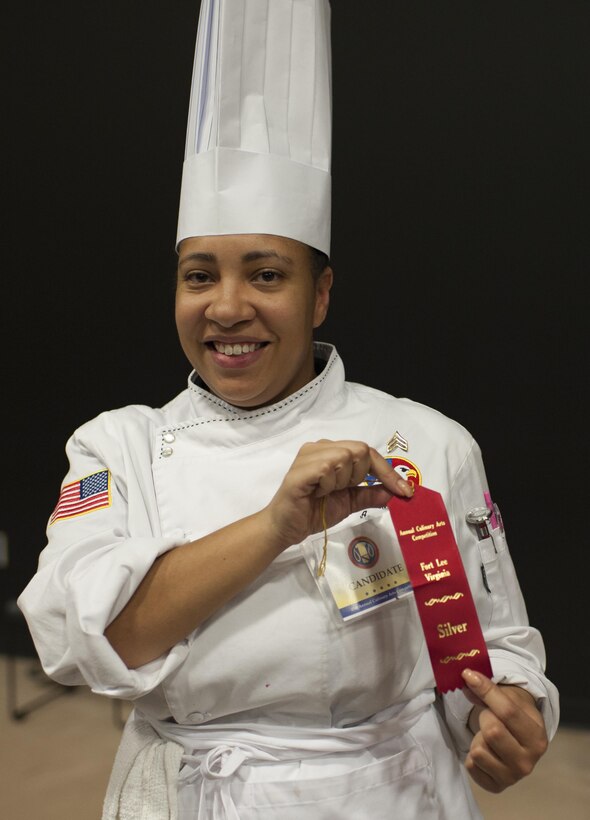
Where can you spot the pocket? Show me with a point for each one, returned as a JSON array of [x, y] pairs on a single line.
[[499, 605], [400, 785]]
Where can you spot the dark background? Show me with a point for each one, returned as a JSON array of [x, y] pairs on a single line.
[[461, 206]]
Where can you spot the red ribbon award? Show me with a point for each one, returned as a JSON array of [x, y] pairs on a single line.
[[445, 604]]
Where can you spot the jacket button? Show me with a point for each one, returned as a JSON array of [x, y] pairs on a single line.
[[169, 438], [167, 451], [198, 717]]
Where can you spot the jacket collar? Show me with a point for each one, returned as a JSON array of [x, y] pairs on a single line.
[[317, 394]]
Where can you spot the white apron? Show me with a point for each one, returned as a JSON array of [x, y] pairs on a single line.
[[255, 772]]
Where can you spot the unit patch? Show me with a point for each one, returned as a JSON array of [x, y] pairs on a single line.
[[406, 468]]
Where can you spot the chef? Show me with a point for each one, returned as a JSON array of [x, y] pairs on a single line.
[[182, 566]]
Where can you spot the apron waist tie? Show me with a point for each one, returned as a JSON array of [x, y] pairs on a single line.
[[225, 760]]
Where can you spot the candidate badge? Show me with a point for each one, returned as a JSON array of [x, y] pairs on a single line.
[[365, 570]]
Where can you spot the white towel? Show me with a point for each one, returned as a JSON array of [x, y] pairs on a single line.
[[143, 783]]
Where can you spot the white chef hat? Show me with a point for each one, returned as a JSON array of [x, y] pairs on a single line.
[[258, 142]]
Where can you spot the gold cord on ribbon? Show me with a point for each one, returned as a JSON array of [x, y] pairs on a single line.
[[322, 564]]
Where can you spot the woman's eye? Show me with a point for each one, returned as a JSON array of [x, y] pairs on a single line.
[[268, 275], [197, 277]]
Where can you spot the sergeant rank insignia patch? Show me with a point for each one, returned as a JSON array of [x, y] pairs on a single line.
[[397, 442]]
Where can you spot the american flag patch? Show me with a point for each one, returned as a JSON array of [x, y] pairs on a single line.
[[83, 496]]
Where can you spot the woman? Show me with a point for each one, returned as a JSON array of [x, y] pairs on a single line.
[[176, 573]]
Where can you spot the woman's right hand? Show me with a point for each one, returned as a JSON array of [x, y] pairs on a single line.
[[331, 470]]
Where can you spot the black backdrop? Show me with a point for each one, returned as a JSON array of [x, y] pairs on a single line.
[[461, 135]]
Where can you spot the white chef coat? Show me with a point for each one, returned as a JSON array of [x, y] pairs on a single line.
[[274, 656]]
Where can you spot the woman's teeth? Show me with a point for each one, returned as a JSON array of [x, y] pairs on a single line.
[[236, 350]]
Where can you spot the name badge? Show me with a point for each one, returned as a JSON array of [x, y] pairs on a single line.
[[365, 568]]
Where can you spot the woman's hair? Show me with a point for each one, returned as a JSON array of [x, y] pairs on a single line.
[[319, 262]]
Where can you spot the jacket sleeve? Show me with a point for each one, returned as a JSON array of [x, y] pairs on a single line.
[[516, 649], [98, 552]]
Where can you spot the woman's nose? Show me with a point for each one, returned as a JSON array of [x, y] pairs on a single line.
[[229, 305]]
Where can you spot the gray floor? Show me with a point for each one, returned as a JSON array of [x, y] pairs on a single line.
[[55, 763]]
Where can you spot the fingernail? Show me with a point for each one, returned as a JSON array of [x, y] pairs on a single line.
[[406, 488], [472, 677]]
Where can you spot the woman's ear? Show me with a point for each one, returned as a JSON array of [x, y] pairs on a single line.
[[322, 295]]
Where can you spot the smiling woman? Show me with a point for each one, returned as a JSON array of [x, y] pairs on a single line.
[[181, 570], [256, 291]]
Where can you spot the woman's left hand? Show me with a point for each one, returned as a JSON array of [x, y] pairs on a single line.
[[509, 733]]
